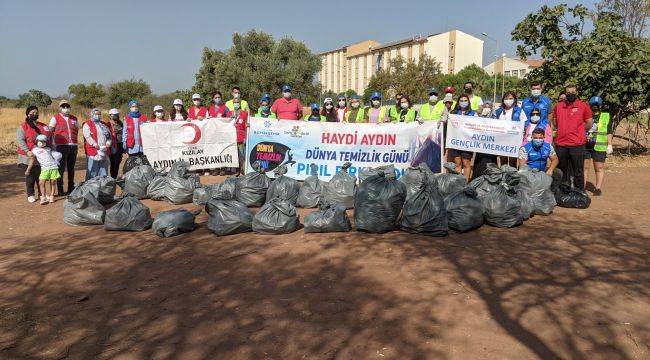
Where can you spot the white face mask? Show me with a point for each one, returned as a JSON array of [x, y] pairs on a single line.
[[65, 111], [134, 108], [197, 102], [535, 119], [376, 102], [40, 144], [404, 105], [97, 117], [329, 106], [355, 105], [509, 102], [463, 104], [159, 114], [178, 107], [236, 106], [286, 94], [433, 98], [217, 100], [236, 95], [486, 111], [342, 103], [536, 92]]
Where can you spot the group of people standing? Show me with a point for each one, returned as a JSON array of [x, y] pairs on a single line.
[[568, 135]]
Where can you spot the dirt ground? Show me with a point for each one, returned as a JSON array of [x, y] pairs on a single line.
[[573, 285]]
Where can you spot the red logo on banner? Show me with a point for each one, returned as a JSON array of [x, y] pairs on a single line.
[[197, 133]]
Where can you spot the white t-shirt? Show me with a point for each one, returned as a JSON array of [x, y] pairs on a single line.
[[178, 117], [340, 113], [45, 158], [507, 115]]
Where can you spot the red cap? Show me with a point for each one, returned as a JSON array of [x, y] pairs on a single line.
[[450, 90]]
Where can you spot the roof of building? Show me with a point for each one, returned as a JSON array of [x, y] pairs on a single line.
[[535, 63]]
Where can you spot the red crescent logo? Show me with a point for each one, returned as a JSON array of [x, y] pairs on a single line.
[[197, 133]]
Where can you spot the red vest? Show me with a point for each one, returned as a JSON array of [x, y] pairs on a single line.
[[220, 111], [240, 126], [31, 134], [130, 130], [90, 150], [192, 115], [65, 132]]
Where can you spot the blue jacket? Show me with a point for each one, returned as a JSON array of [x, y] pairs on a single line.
[[469, 113], [544, 104], [516, 113], [538, 157]]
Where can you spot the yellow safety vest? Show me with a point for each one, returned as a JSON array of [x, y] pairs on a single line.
[[360, 115], [440, 108], [393, 114], [410, 116], [601, 135], [243, 105], [474, 101], [428, 112], [322, 117]]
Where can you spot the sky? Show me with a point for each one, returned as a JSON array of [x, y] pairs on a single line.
[[49, 45]]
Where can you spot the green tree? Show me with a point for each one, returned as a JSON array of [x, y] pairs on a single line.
[[34, 97], [258, 64], [605, 61], [122, 92], [89, 96], [408, 77]]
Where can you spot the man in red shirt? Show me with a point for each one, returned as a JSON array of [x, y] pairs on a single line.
[[287, 108], [571, 118]]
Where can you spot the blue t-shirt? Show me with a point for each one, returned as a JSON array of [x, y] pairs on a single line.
[[544, 104]]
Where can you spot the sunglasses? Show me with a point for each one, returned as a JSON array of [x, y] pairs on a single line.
[[65, 106]]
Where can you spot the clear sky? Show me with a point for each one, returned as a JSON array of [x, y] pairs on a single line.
[[49, 45]]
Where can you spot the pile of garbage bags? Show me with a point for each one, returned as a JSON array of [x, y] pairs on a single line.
[[85, 204], [341, 189], [174, 222], [370, 171], [415, 178], [424, 213], [137, 180], [133, 161], [177, 186], [309, 195], [378, 203], [251, 188], [283, 187], [451, 181]]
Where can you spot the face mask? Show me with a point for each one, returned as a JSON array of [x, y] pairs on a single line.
[[314, 112], [40, 144], [134, 109], [595, 110], [329, 106], [65, 111], [535, 119], [536, 92], [398, 100], [342, 103], [236, 95], [217, 100], [509, 102], [354, 105], [537, 142], [196, 102], [159, 114], [264, 108], [468, 90], [463, 104], [571, 97], [404, 105], [236, 106], [375, 102], [115, 117], [486, 111], [286, 94], [433, 98], [32, 117], [97, 117]]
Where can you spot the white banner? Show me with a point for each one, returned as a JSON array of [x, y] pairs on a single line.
[[484, 135], [204, 144], [329, 145]]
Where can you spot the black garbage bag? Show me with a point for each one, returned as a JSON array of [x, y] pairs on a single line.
[[84, 188], [283, 187], [202, 194], [509, 176], [227, 217], [537, 185], [137, 180], [311, 190], [369, 171], [225, 190], [569, 197], [378, 203], [276, 217], [525, 201], [178, 169], [330, 218], [424, 213], [106, 186], [341, 189], [251, 188], [133, 161], [490, 180], [464, 210], [129, 214], [416, 177], [502, 209], [174, 222], [156, 188], [451, 181], [179, 190], [84, 209]]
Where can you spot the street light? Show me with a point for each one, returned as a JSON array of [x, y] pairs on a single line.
[[494, 68]]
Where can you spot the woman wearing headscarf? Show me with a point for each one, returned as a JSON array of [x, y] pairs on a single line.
[[26, 138], [131, 130], [117, 147], [97, 144]]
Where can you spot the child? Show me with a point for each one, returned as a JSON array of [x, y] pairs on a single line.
[[536, 153], [49, 161]]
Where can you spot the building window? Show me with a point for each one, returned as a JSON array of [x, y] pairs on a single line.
[[378, 67], [506, 73], [522, 72], [515, 73]]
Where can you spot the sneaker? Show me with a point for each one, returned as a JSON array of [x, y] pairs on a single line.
[[51, 199], [44, 200], [31, 199], [597, 192]]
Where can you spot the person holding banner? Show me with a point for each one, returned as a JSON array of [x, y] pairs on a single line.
[[236, 94], [264, 111], [328, 111], [131, 130], [376, 113], [537, 152], [427, 111], [218, 109], [315, 114], [287, 107], [341, 108], [198, 111], [475, 101], [463, 159], [393, 114], [406, 113], [481, 160], [442, 107], [356, 114], [178, 112], [158, 114], [509, 110]]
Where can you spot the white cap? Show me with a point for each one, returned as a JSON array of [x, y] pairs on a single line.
[[113, 111], [158, 108], [196, 96], [448, 97], [178, 102], [328, 100], [41, 137]]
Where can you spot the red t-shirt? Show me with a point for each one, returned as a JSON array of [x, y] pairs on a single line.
[[570, 122], [287, 109], [240, 126]]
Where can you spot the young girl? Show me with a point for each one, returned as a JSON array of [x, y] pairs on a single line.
[[178, 112], [158, 114], [463, 159], [49, 161]]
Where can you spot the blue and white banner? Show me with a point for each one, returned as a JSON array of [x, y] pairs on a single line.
[[329, 145], [484, 135]]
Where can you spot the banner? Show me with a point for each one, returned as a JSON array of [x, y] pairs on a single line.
[[204, 144], [329, 145], [485, 135]]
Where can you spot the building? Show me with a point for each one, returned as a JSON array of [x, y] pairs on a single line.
[[352, 66], [512, 67]]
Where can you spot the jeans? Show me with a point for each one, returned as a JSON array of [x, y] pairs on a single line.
[[31, 180], [96, 168], [116, 160], [572, 159], [68, 161]]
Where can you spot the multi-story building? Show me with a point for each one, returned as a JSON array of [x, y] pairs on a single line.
[[512, 67], [352, 66]]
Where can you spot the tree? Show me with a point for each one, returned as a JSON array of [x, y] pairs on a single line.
[[408, 77], [258, 64], [34, 97], [633, 13], [124, 91], [605, 61], [89, 96]]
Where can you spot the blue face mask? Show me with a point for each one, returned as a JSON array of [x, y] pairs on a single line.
[[264, 108], [537, 142]]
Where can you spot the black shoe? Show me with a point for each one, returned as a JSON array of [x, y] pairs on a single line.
[[597, 192]]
